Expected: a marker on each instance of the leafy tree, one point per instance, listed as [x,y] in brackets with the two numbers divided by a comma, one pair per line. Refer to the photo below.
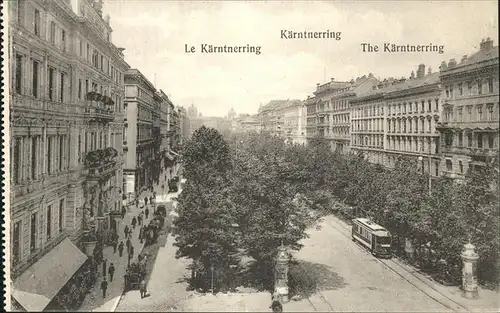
[203,229]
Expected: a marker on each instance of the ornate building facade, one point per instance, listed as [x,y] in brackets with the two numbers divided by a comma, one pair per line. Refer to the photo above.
[284,118]
[66,110]
[142,106]
[469,127]
[318,121]
[398,117]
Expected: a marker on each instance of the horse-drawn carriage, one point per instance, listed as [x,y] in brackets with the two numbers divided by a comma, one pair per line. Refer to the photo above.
[136,272]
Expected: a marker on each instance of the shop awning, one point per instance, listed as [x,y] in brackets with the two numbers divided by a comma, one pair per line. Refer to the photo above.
[40,283]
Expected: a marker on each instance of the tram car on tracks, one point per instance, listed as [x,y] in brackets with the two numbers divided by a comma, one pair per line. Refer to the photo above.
[372,236]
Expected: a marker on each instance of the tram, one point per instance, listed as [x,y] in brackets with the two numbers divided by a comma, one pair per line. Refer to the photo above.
[373,236]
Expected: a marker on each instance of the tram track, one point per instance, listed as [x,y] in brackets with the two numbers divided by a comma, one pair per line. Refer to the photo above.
[452,305]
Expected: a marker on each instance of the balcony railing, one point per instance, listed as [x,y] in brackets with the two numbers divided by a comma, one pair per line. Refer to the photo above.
[101,162]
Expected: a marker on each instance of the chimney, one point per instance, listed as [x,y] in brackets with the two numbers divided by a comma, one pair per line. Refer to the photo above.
[464,58]
[332,79]
[412,76]
[421,71]
[443,66]
[429,71]
[486,44]
[452,63]
[374,87]
[352,81]
[370,75]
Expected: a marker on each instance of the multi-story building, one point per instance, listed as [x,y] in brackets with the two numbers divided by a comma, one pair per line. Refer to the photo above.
[184,124]
[247,123]
[334,113]
[318,122]
[139,142]
[66,110]
[284,118]
[469,128]
[398,117]
[167,158]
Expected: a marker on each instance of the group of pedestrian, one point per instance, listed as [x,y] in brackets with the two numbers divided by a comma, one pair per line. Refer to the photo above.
[143,232]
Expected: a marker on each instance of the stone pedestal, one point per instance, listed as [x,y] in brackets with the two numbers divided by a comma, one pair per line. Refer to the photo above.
[469,272]
[281,274]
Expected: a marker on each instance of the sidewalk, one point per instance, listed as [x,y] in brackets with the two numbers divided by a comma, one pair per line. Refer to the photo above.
[94,300]
[450,296]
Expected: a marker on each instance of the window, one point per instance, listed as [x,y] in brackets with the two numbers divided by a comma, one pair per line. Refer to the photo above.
[479,87]
[102,63]
[449,165]
[16,242]
[19,74]
[49,222]
[61,96]
[61,152]
[34,157]
[436,168]
[79,147]
[469,113]
[35,79]
[479,140]
[52,32]
[448,139]
[469,140]
[461,165]
[79,89]
[436,108]
[460,89]
[81,48]
[36,23]
[480,113]
[469,88]
[490,141]
[460,140]
[63,40]
[490,112]
[86,87]
[33,232]
[460,117]
[87,56]
[490,85]
[61,215]
[51,83]
[16,159]
[49,155]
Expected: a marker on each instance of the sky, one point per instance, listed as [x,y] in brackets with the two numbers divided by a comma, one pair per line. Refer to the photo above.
[154,34]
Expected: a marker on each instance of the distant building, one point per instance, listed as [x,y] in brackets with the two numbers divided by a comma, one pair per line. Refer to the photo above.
[469,127]
[284,118]
[317,121]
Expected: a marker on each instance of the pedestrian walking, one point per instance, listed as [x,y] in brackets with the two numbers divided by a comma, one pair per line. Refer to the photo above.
[104,287]
[104,265]
[146,201]
[131,251]
[111,272]
[142,288]
[120,248]
[151,200]
[124,211]
[126,230]
[137,203]
[139,219]
[134,222]
[130,232]
[146,212]
[141,234]
[115,245]
[129,243]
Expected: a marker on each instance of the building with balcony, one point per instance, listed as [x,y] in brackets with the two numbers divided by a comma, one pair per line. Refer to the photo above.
[333,113]
[284,118]
[167,158]
[398,117]
[140,141]
[318,123]
[66,125]
[247,123]
[469,122]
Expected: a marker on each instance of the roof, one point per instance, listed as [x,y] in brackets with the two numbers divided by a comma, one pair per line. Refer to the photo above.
[372,225]
[279,104]
[40,283]
[390,85]
[480,56]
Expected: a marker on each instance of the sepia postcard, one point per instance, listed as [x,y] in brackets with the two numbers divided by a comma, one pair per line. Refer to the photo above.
[250,156]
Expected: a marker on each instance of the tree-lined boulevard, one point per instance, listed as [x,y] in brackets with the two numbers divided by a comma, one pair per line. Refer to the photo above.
[246,195]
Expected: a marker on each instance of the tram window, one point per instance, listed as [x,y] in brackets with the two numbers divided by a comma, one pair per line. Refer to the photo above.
[384,240]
